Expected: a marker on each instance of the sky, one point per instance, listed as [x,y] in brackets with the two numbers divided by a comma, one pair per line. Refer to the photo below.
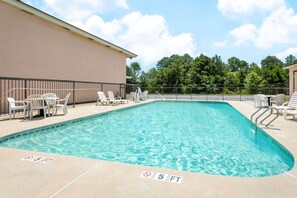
[248,29]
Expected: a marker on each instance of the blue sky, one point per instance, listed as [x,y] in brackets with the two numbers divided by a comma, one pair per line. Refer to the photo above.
[153,29]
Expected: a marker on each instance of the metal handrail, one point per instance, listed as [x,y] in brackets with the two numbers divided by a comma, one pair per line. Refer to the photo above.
[267,108]
[159,95]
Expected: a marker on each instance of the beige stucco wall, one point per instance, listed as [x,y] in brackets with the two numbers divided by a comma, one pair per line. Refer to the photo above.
[292,81]
[31,47]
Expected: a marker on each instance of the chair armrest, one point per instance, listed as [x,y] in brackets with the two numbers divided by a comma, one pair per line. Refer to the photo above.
[22,102]
[60,100]
[285,104]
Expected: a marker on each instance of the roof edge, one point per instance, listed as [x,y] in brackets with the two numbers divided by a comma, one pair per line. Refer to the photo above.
[27,8]
[290,66]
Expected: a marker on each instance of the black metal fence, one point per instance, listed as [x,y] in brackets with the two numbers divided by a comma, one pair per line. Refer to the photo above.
[81,92]
[209,92]
[84,92]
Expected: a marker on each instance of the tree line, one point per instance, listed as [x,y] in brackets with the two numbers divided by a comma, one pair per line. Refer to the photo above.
[211,74]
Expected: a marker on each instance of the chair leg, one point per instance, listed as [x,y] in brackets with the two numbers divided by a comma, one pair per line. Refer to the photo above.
[25,113]
[10,114]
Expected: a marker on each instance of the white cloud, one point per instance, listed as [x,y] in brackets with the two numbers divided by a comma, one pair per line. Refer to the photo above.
[278,28]
[234,8]
[244,33]
[78,9]
[220,44]
[282,55]
[146,35]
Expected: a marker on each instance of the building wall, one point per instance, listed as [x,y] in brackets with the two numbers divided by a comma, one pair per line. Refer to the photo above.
[293,79]
[31,47]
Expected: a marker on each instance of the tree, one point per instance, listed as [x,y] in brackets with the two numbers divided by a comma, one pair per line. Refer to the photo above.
[290,60]
[134,71]
[253,83]
[231,82]
[234,64]
[273,72]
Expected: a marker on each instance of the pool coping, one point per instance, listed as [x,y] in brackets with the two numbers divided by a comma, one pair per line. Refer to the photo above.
[82,176]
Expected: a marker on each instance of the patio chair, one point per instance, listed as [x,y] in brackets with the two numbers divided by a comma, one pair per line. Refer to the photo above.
[278,100]
[118,99]
[51,102]
[291,105]
[103,100]
[144,95]
[62,103]
[37,102]
[290,112]
[13,107]
[260,100]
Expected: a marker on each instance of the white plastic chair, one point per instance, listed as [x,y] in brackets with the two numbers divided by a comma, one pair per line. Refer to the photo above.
[118,100]
[260,100]
[292,104]
[51,102]
[37,102]
[62,103]
[290,112]
[278,100]
[13,107]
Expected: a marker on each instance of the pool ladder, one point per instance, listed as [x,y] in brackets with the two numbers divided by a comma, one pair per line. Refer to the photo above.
[265,109]
[159,95]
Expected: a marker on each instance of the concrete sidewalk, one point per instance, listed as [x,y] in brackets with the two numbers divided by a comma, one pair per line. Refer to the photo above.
[81,177]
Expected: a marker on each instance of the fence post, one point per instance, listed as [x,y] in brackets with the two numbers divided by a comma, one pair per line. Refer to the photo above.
[223,94]
[73,96]
[191,93]
[26,92]
[240,95]
[175,93]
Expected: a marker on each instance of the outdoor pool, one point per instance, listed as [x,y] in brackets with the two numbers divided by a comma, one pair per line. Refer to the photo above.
[202,137]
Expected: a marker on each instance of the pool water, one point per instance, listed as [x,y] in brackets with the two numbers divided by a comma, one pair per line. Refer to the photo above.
[203,137]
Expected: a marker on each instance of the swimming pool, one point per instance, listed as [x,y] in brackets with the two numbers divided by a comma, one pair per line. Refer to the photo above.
[206,137]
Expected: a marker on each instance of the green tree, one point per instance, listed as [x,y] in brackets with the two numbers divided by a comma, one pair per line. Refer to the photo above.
[253,83]
[290,60]
[273,72]
[133,71]
[231,82]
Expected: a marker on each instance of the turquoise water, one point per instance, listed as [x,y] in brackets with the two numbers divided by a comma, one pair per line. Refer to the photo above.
[204,137]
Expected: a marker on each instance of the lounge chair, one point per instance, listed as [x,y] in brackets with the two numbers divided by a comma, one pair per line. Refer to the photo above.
[13,107]
[62,103]
[103,100]
[37,102]
[290,112]
[118,99]
[291,105]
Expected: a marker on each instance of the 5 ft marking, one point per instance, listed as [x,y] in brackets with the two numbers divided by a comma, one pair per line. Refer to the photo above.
[161,177]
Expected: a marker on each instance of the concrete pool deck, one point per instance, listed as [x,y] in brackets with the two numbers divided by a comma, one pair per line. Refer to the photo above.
[68,176]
